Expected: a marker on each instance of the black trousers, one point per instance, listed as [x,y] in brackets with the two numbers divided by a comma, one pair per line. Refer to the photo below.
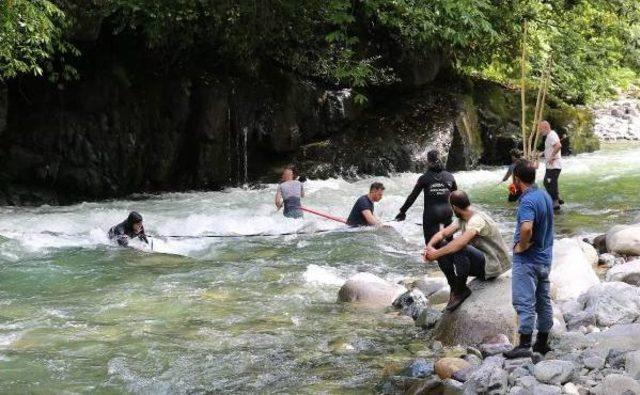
[457,267]
[431,223]
[551,183]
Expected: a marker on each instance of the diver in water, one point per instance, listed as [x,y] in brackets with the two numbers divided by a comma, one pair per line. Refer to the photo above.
[437,185]
[128,229]
[289,193]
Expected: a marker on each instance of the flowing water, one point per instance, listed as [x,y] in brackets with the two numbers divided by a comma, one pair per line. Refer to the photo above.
[244,314]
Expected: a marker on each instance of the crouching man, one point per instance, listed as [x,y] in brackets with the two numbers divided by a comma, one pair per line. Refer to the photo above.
[479,251]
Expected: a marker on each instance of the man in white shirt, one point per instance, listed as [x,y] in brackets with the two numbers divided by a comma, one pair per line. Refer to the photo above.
[553,162]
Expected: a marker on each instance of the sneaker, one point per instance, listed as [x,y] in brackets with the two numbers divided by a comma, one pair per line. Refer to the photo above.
[518,352]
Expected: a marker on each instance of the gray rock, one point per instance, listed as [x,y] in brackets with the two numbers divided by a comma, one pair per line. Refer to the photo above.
[624,239]
[616,358]
[628,272]
[519,391]
[572,341]
[474,351]
[512,364]
[428,318]
[412,303]
[430,285]
[452,387]
[594,362]
[581,318]
[619,337]
[463,375]
[370,290]
[473,359]
[489,378]
[441,296]
[608,260]
[617,384]
[486,312]
[420,368]
[612,303]
[632,364]
[554,371]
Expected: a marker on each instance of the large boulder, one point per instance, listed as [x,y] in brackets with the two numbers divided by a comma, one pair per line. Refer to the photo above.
[572,273]
[369,289]
[554,371]
[624,239]
[612,303]
[627,273]
[590,252]
[487,312]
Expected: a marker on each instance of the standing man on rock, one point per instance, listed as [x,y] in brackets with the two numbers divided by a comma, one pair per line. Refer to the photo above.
[553,162]
[437,185]
[532,256]
[479,251]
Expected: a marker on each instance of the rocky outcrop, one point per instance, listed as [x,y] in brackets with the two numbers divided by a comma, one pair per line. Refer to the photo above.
[487,312]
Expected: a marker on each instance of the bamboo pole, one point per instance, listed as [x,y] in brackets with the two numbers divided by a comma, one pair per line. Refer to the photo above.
[544,97]
[523,72]
[534,138]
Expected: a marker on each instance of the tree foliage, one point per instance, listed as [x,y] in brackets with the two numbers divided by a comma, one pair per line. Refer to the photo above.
[31,34]
[355,43]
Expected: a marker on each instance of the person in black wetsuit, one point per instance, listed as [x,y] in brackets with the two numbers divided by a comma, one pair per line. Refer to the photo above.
[128,229]
[437,185]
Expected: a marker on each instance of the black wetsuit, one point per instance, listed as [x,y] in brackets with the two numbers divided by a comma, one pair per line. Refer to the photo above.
[124,231]
[437,185]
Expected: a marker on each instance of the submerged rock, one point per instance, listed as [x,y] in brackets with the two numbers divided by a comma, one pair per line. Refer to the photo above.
[624,239]
[369,289]
[487,312]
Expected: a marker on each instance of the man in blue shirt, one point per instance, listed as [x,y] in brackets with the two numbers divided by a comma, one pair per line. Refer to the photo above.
[532,256]
[362,211]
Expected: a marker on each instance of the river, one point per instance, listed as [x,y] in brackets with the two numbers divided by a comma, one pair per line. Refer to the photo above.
[242,314]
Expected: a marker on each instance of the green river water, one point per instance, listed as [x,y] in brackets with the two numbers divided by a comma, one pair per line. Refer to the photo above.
[78,315]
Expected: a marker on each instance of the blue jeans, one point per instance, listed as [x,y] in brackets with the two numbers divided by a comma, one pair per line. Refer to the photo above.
[530,289]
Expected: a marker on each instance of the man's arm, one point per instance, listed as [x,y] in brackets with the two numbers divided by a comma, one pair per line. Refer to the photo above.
[278,200]
[526,233]
[301,190]
[443,234]
[371,219]
[454,246]
[556,148]
[412,196]
[507,175]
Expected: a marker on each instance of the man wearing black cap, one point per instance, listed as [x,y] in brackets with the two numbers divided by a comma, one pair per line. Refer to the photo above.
[437,185]
[128,229]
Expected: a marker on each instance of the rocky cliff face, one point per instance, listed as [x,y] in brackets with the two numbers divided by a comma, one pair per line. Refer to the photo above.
[121,129]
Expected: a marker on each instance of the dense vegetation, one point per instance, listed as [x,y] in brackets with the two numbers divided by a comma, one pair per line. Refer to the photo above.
[594,44]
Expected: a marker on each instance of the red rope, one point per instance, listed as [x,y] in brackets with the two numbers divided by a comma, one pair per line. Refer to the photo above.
[324,215]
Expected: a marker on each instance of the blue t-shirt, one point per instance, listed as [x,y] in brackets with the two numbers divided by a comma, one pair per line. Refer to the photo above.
[536,206]
[355,217]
